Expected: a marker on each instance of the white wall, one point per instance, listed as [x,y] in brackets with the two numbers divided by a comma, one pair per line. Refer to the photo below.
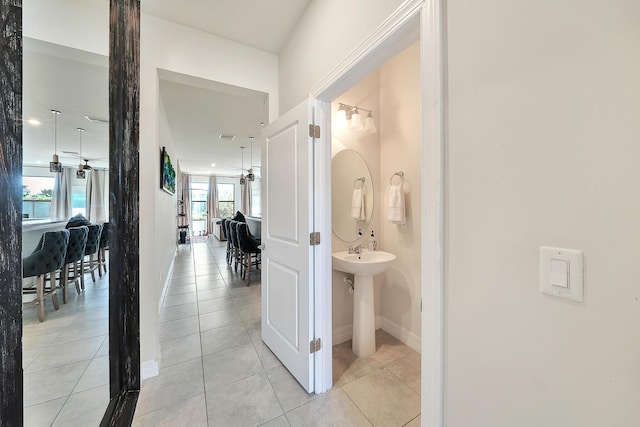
[326,34]
[400,150]
[542,149]
[175,48]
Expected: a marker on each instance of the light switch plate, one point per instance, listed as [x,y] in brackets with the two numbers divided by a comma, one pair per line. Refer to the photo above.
[561,273]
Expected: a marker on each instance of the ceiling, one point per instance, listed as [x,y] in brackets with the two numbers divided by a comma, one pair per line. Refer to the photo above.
[197,111]
[265,25]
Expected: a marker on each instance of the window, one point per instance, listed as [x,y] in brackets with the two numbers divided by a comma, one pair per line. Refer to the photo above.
[36,196]
[79,199]
[226,201]
[199,192]
[256,209]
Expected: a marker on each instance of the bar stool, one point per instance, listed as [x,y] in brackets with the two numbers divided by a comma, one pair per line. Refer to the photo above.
[47,258]
[75,252]
[223,225]
[91,251]
[234,244]
[102,248]
[249,249]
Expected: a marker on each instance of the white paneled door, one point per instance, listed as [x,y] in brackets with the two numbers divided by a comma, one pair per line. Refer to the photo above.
[287,257]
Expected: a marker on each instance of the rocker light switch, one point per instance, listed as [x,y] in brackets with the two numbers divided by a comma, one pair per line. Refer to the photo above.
[561,273]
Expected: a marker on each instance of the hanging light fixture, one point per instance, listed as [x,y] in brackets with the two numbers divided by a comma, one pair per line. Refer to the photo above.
[250,176]
[243,180]
[55,165]
[80,174]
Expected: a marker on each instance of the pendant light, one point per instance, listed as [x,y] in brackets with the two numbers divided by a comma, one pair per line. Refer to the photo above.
[243,180]
[55,165]
[250,176]
[80,174]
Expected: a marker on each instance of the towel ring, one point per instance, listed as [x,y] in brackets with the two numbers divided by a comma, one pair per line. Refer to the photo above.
[361,180]
[400,174]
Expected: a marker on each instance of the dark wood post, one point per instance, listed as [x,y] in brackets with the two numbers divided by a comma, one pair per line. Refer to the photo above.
[11,384]
[124,277]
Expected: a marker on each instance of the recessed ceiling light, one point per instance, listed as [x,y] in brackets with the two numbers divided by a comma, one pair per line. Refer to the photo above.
[213,165]
[38,162]
[227,137]
[34,122]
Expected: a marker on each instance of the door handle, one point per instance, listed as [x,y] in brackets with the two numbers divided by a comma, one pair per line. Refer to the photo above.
[261,246]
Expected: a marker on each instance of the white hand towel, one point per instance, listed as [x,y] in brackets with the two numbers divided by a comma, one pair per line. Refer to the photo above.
[357,204]
[395,213]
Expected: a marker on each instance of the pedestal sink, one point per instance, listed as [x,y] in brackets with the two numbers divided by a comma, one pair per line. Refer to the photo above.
[363,266]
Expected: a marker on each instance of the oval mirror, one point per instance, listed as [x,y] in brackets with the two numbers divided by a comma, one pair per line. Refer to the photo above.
[351,195]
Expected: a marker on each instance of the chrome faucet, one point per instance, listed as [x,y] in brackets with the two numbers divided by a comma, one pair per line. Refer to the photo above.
[356,249]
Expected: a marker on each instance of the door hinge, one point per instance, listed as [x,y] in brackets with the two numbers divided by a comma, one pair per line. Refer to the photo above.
[315,345]
[314,238]
[314,131]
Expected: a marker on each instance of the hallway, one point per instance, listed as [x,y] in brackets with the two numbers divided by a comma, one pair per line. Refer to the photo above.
[216,371]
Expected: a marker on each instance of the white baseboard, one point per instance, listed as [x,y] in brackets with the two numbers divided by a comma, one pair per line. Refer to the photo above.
[342,334]
[406,337]
[345,333]
[149,369]
[166,281]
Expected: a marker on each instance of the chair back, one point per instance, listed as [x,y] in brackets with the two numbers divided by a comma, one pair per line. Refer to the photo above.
[49,256]
[223,225]
[232,233]
[93,239]
[104,236]
[246,243]
[77,243]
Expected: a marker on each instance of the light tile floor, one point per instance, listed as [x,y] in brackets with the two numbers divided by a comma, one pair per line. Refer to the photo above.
[66,358]
[215,370]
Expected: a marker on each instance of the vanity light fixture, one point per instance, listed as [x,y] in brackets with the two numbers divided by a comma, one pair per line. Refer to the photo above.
[348,116]
[341,117]
[243,180]
[54,164]
[80,174]
[356,121]
[369,124]
[250,176]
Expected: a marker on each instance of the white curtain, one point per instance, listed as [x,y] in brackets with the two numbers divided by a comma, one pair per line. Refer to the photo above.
[62,194]
[246,198]
[185,188]
[97,212]
[212,204]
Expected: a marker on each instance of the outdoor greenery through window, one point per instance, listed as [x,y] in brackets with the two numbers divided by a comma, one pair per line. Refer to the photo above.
[199,192]
[226,200]
[37,192]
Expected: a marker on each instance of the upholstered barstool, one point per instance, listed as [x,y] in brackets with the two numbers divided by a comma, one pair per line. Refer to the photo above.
[91,251]
[223,224]
[249,249]
[102,248]
[75,253]
[234,244]
[47,258]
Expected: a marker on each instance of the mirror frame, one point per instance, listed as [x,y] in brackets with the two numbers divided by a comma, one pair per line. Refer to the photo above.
[368,184]
[124,112]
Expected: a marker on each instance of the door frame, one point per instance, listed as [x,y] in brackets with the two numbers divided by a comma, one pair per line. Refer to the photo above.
[414,20]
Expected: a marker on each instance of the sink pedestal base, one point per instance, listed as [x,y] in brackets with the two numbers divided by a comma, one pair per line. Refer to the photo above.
[364,322]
